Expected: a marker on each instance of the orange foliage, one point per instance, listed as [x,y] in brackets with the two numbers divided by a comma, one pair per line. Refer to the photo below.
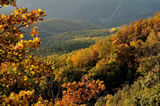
[81,92]
[23,98]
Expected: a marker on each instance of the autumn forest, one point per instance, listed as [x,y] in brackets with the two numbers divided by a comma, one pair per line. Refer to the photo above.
[87,66]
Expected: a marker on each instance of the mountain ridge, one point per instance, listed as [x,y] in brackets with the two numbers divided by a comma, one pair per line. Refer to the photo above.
[103,12]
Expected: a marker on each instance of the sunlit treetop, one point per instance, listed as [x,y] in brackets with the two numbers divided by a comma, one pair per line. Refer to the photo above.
[8,2]
[12,45]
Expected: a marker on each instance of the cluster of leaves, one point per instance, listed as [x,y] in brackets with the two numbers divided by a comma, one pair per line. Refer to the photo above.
[145,91]
[8,2]
[25,98]
[81,92]
[12,46]
[19,70]
[16,64]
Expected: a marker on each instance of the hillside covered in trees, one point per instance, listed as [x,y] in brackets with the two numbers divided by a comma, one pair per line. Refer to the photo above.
[61,26]
[122,69]
[70,41]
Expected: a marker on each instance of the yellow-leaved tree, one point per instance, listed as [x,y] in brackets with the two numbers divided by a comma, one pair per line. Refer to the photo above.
[20,71]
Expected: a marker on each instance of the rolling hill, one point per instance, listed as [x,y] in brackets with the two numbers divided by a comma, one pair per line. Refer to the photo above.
[61,26]
[70,41]
[56,26]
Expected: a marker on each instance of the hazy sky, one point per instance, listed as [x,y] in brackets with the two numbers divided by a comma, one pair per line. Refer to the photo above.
[97,11]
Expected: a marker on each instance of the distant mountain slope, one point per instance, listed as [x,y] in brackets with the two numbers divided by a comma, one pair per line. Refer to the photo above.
[70,41]
[109,13]
[60,26]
